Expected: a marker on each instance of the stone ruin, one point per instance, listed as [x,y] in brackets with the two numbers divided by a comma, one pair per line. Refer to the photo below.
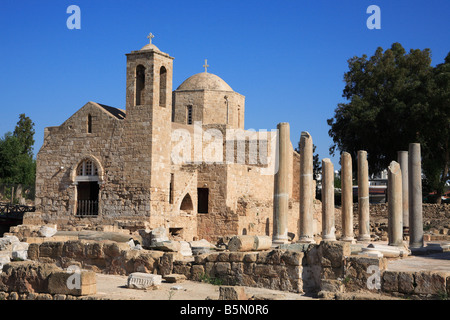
[38,261]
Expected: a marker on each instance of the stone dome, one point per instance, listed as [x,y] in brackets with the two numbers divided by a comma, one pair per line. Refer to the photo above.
[204,81]
[150,46]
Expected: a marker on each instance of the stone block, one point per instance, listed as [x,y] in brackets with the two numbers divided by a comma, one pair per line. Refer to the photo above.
[73,249]
[237,256]
[390,281]
[114,249]
[270,257]
[20,251]
[93,250]
[430,282]
[5,257]
[265,270]
[170,246]
[185,249]
[201,246]
[251,257]
[222,268]
[174,278]
[139,280]
[406,282]
[166,263]
[158,235]
[332,253]
[331,285]
[47,231]
[223,257]
[51,250]
[26,276]
[249,268]
[212,257]
[196,272]
[209,269]
[232,293]
[200,259]
[181,268]
[293,258]
[356,269]
[237,268]
[79,283]
[33,251]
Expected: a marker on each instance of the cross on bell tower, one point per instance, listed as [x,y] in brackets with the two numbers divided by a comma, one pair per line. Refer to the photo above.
[206,66]
[150,37]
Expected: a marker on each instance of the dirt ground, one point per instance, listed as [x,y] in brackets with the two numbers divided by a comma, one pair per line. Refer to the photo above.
[113,287]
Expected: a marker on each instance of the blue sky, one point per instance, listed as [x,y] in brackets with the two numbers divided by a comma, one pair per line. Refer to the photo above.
[287,57]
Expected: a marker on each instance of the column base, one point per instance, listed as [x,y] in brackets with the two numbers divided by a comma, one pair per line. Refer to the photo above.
[416,245]
[348,239]
[306,239]
[364,238]
[279,240]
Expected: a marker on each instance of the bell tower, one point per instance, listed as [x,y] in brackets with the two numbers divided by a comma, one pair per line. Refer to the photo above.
[148,124]
[149,78]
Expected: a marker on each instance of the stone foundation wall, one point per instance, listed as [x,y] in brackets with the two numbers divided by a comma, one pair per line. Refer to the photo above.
[430,210]
[42,296]
[424,284]
[277,269]
[101,256]
[328,269]
[32,280]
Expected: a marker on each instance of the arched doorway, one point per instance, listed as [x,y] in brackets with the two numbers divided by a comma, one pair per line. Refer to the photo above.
[87,182]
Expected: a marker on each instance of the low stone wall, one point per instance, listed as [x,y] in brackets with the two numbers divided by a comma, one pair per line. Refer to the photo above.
[32,280]
[295,268]
[424,284]
[327,269]
[101,256]
[362,274]
[430,210]
[42,296]
[277,269]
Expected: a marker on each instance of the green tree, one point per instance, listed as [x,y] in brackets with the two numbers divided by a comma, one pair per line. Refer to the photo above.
[17,165]
[435,132]
[393,100]
[24,132]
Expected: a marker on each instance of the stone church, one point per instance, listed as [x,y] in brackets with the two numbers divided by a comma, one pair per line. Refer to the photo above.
[144,166]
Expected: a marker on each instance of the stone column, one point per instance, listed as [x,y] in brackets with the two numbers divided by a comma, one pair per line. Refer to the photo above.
[347,197]
[306,188]
[403,161]
[395,208]
[281,192]
[363,197]
[415,196]
[328,226]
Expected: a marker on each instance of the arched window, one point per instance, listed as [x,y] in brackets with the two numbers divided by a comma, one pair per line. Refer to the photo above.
[87,168]
[186,204]
[162,86]
[140,84]
[89,123]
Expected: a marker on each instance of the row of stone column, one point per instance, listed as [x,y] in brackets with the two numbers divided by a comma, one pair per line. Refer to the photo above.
[404,198]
